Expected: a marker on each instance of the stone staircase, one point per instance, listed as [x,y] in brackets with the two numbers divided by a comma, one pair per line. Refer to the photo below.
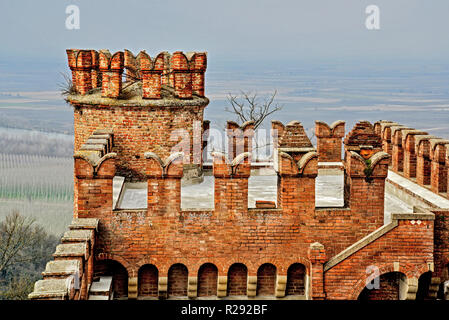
[101,289]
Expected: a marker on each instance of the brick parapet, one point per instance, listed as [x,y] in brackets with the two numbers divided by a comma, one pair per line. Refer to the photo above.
[240,138]
[397,157]
[329,142]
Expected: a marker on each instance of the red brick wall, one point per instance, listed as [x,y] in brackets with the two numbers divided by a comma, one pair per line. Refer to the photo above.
[266,280]
[163,232]
[329,149]
[329,140]
[237,280]
[423,164]
[410,157]
[397,158]
[207,280]
[438,169]
[148,281]
[136,130]
[295,280]
[441,244]
[177,280]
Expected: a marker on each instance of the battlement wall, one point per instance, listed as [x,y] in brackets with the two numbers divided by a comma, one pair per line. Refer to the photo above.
[423,159]
[292,226]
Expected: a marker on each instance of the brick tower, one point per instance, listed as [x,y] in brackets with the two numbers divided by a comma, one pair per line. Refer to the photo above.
[158,107]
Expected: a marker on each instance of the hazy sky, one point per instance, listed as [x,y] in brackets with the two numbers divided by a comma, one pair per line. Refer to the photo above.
[229,30]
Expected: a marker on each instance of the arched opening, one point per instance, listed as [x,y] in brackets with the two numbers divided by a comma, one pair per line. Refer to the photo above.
[389,286]
[207,280]
[424,286]
[266,280]
[104,268]
[296,280]
[148,281]
[237,280]
[177,280]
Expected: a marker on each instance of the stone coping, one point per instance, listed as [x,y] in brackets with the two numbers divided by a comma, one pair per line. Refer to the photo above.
[435,142]
[384,125]
[103,285]
[77,235]
[413,132]
[423,137]
[395,217]
[399,128]
[432,199]
[84,223]
[61,267]
[93,147]
[96,140]
[131,96]
[413,216]
[330,164]
[51,288]
[71,250]
[293,149]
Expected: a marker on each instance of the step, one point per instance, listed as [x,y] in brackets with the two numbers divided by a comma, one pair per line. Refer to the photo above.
[101,287]
[94,297]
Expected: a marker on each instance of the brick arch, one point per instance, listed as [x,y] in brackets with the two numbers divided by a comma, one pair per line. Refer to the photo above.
[253,266]
[266,279]
[164,265]
[296,279]
[148,260]
[119,273]
[207,280]
[177,282]
[237,276]
[194,267]
[390,287]
[409,270]
[281,264]
[148,278]
[283,268]
[129,266]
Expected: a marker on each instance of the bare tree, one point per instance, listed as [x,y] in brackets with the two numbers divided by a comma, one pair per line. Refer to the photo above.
[19,239]
[18,288]
[248,107]
[25,248]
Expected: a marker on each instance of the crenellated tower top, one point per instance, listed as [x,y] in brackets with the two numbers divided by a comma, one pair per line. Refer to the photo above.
[177,76]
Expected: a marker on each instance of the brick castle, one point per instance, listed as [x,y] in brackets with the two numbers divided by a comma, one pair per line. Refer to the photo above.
[290,249]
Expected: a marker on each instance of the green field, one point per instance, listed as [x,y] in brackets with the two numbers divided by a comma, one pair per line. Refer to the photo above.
[37,186]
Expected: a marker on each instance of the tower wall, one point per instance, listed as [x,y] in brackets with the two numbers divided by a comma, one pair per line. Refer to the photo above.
[141,129]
